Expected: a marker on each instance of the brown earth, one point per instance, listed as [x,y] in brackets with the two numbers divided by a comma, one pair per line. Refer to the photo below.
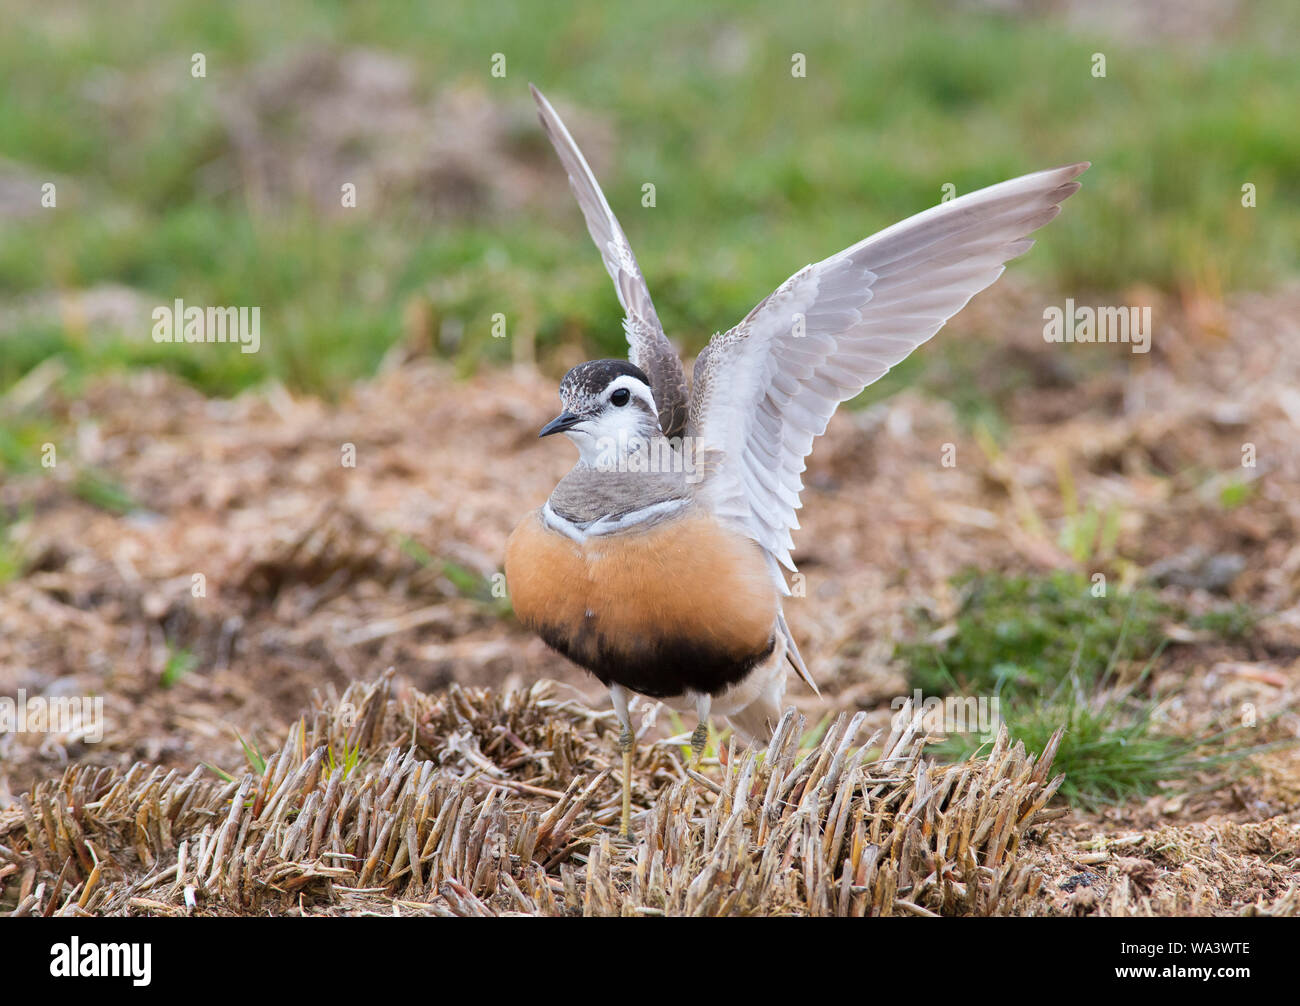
[315,574]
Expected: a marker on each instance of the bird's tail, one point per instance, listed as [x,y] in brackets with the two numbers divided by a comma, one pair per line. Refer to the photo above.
[758,719]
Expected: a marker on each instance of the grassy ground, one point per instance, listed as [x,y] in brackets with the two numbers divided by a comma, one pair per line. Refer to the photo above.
[1058,651]
[756,171]
[1172,685]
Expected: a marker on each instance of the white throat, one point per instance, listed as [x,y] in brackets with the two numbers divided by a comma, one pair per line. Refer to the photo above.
[613,438]
[606,445]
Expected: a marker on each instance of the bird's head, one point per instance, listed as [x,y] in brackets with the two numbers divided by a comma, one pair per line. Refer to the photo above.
[608,408]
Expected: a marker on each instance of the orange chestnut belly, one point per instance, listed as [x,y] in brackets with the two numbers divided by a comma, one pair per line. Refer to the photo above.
[685,604]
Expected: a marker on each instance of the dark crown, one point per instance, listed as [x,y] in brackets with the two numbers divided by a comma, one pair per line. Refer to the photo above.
[591,378]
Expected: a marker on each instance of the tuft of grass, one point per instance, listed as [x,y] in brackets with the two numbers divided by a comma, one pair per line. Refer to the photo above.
[351,758]
[1022,633]
[22,441]
[1113,750]
[1051,654]
[1089,532]
[256,761]
[1235,623]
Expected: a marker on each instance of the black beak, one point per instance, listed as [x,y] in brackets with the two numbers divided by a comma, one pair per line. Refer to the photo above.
[564,421]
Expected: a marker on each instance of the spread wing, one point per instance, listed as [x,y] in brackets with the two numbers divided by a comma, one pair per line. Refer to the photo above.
[767,388]
[648,347]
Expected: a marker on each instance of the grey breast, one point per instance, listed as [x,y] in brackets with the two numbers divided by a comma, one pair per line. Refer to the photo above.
[587,494]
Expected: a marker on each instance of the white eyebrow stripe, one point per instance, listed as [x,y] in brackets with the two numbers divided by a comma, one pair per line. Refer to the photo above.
[637,387]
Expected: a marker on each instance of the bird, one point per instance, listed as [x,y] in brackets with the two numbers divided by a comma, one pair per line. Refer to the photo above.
[658,562]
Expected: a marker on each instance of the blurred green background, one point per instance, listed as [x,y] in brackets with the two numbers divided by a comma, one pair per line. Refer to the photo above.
[203,188]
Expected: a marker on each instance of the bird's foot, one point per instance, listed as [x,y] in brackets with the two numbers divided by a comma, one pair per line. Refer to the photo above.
[698,740]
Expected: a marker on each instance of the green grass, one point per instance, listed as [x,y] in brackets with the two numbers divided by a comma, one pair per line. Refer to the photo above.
[1113,749]
[1234,494]
[468,584]
[100,490]
[179,663]
[351,758]
[1053,655]
[757,172]
[12,559]
[1019,634]
[1236,622]
[22,440]
[256,761]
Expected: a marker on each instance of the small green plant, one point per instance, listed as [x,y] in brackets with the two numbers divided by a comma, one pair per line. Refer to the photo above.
[350,760]
[256,761]
[1088,533]
[219,773]
[1234,494]
[414,550]
[254,757]
[467,583]
[22,441]
[179,663]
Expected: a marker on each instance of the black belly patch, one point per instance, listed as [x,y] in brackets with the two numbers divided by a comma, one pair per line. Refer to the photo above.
[657,667]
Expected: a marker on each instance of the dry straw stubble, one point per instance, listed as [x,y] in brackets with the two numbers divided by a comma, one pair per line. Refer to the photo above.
[472,803]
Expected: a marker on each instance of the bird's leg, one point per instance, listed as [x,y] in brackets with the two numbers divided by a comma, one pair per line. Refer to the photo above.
[701,735]
[626,744]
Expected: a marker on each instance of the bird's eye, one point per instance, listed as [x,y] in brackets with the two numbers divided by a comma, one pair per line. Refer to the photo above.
[620,397]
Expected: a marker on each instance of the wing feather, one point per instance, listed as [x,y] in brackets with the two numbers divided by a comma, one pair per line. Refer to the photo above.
[648,347]
[766,389]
